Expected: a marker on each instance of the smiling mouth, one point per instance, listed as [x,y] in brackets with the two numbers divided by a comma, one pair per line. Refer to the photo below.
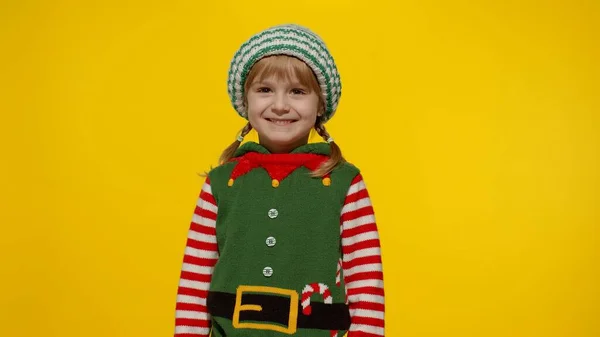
[281,121]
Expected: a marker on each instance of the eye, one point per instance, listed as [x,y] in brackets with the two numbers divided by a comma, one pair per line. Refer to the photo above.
[263,89]
[298,91]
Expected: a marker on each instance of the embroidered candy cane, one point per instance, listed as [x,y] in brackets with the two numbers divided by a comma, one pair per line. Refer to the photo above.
[311,289]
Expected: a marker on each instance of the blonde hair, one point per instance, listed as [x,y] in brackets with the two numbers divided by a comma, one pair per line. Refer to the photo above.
[282,67]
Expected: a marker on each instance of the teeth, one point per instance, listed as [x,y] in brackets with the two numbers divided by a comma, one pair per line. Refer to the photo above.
[280,122]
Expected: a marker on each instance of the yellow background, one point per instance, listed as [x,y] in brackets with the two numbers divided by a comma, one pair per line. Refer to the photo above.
[475,123]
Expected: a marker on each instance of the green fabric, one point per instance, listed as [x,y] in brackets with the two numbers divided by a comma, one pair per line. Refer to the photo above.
[307,232]
[316,148]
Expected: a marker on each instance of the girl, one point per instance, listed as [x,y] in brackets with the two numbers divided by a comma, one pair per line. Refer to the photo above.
[283,239]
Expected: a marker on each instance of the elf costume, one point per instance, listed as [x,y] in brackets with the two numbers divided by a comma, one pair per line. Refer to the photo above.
[271,250]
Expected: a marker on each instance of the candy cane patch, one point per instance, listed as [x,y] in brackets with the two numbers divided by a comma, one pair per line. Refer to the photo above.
[311,289]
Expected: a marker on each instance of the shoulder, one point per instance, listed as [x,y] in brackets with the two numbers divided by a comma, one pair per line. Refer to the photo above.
[353,176]
[221,173]
[343,177]
[218,177]
[346,168]
[223,169]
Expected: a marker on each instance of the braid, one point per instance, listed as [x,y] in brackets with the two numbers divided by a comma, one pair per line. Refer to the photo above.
[320,128]
[247,128]
[230,150]
[335,157]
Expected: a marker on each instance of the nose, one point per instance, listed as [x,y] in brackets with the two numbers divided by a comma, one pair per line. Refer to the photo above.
[280,104]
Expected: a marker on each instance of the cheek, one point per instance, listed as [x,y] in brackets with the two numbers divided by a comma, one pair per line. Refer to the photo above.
[309,109]
[253,106]
[254,116]
[258,102]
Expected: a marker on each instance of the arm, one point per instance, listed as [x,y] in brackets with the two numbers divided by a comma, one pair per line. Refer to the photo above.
[361,264]
[191,315]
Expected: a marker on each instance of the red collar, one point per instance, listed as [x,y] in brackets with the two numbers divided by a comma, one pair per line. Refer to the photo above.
[278,166]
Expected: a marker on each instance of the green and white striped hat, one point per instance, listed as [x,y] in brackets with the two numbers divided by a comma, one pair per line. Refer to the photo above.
[292,40]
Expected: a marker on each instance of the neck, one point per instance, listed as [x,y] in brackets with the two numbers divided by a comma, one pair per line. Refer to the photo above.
[282,148]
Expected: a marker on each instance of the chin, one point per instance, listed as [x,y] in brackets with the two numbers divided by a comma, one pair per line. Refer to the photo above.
[283,141]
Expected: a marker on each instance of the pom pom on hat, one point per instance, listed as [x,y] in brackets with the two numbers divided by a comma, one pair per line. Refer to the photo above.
[292,40]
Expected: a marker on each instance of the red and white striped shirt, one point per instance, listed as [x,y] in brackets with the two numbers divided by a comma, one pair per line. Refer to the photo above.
[361,265]
[363,274]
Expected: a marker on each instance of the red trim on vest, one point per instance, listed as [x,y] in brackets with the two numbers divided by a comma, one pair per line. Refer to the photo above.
[278,166]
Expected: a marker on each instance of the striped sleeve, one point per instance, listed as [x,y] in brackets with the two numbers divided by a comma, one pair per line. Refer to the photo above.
[191,315]
[362,265]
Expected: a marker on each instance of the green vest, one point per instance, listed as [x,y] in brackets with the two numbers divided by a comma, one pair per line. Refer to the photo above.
[283,237]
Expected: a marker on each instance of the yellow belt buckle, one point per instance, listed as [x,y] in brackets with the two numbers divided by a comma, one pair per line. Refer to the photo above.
[293,317]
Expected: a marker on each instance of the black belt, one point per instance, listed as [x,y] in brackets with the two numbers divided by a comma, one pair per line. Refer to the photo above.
[275,308]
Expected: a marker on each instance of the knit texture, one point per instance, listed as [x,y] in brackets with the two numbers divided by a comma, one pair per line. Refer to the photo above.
[278,166]
[292,40]
[326,244]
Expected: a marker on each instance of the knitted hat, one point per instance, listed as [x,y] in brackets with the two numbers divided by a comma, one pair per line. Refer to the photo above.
[292,40]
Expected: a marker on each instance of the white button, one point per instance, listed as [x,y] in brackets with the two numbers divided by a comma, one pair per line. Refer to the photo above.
[273,213]
[268,271]
[271,241]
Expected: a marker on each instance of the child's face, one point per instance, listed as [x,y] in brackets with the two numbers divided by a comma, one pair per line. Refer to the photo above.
[282,112]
